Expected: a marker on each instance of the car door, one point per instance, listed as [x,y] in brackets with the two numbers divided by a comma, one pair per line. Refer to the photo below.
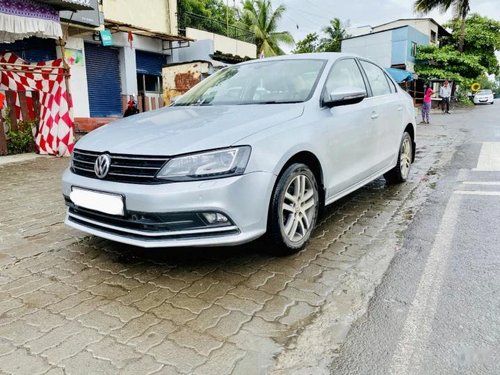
[347,131]
[387,114]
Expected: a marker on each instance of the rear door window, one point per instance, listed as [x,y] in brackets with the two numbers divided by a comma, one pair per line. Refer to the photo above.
[377,79]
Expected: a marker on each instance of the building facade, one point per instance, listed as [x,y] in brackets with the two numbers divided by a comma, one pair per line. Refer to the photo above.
[116,49]
[394,44]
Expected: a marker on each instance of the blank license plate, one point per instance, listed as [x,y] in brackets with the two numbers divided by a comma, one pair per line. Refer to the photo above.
[98,201]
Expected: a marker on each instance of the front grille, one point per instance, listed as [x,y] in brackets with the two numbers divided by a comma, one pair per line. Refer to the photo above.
[136,169]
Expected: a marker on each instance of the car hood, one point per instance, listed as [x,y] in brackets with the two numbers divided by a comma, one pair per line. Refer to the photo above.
[179,130]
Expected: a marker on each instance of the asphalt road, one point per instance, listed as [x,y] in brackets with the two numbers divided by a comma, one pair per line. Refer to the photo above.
[437,310]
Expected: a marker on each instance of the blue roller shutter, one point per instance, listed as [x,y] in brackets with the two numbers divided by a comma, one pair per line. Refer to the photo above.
[32,49]
[150,63]
[103,80]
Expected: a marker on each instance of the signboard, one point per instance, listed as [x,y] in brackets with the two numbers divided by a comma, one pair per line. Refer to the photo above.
[85,17]
[106,38]
[74,57]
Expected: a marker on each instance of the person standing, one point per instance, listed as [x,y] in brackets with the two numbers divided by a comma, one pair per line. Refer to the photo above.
[445,94]
[426,106]
[131,107]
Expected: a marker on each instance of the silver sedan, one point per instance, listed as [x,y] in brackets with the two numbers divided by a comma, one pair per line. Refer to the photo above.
[255,149]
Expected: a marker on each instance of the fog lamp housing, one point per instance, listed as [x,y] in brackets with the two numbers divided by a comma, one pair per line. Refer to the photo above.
[215,219]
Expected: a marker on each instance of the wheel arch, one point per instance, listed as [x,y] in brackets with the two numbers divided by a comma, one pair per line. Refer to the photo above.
[310,159]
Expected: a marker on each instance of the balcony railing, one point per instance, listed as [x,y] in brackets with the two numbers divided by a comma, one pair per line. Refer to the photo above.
[195,21]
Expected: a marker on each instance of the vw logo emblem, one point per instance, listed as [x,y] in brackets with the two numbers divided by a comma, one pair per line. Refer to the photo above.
[102,164]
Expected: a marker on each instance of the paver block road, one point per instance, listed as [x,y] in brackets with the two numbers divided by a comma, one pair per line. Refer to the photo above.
[75,304]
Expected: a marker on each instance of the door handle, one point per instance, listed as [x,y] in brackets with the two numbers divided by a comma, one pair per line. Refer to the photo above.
[400,108]
[374,115]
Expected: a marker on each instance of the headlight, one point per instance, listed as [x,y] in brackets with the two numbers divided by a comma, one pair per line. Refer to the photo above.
[207,165]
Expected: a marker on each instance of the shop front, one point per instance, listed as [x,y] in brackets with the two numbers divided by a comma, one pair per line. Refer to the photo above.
[33,80]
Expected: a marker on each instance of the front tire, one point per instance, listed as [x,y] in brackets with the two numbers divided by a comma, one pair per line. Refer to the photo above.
[293,210]
[402,169]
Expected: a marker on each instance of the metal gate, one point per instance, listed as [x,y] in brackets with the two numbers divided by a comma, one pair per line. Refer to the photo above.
[103,80]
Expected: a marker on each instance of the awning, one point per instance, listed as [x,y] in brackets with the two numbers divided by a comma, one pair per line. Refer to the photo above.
[400,75]
[21,19]
[117,26]
[73,5]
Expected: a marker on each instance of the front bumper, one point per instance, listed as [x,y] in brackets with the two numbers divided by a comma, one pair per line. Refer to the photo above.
[243,199]
[483,100]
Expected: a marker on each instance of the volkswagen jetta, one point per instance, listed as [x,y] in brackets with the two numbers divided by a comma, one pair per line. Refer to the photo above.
[255,149]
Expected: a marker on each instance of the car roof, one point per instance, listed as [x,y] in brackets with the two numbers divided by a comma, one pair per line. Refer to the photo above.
[308,56]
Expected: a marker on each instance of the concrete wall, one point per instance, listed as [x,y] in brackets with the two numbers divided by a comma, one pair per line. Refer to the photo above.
[387,48]
[199,50]
[155,15]
[418,37]
[399,46]
[78,81]
[402,41]
[178,79]
[423,25]
[376,47]
[223,43]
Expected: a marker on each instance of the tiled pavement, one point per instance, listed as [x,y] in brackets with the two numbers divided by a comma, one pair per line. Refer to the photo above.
[82,305]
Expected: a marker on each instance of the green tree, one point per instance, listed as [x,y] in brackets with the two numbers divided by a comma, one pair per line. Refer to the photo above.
[481,38]
[461,9]
[335,33]
[209,15]
[307,45]
[259,18]
[447,63]
[485,83]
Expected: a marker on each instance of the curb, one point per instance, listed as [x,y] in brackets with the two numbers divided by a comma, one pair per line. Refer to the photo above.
[11,159]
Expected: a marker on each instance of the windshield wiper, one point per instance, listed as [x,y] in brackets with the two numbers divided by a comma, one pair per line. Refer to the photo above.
[279,102]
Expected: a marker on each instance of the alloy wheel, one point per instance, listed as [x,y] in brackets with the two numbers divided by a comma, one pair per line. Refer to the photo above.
[298,208]
[405,157]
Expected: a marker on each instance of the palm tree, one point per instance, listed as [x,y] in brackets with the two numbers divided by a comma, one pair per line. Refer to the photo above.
[460,7]
[259,18]
[335,33]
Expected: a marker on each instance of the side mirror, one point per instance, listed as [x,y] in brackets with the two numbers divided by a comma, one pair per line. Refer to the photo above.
[344,96]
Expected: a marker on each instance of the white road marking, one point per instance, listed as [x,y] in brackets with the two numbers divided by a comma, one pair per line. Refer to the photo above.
[476,192]
[489,158]
[409,353]
[485,183]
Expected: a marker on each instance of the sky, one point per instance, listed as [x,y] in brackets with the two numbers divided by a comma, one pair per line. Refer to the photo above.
[307,16]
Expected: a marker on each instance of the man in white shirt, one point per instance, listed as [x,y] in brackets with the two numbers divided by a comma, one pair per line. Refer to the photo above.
[445,94]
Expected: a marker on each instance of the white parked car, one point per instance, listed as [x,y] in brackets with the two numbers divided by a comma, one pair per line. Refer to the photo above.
[484,97]
[256,149]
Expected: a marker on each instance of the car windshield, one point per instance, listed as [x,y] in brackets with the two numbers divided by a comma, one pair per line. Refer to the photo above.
[484,92]
[266,82]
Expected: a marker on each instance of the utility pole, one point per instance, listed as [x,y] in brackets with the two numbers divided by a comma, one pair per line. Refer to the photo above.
[227,18]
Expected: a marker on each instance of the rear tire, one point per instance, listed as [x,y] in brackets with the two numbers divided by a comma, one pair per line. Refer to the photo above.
[401,171]
[293,210]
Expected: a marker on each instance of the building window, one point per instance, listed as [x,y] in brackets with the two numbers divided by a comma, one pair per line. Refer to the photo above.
[413,49]
[148,83]
[433,36]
